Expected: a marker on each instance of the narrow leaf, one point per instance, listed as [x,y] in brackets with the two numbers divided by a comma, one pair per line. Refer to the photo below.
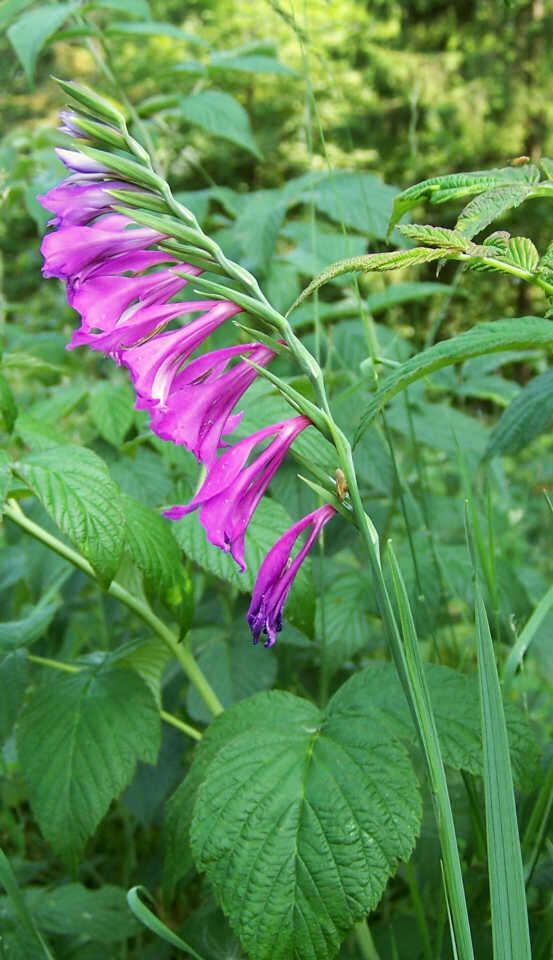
[153,923]
[511,334]
[484,209]
[526,417]
[9,882]
[511,939]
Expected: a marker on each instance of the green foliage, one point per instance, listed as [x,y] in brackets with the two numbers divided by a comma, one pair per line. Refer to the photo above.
[79,739]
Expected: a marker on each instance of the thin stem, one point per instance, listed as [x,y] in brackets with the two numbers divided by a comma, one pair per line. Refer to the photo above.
[145,612]
[365,941]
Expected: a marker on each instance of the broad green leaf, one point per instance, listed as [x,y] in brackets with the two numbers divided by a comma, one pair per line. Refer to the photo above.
[220,114]
[253,63]
[150,541]
[456,185]
[374,263]
[74,486]
[343,613]
[484,209]
[357,200]
[13,678]
[111,409]
[73,910]
[29,34]
[526,417]
[454,699]
[511,334]
[494,388]
[152,28]
[257,227]
[56,404]
[24,631]
[228,663]
[137,8]
[10,9]
[79,739]
[300,820]
[398,293]
[147,659]
[509,912]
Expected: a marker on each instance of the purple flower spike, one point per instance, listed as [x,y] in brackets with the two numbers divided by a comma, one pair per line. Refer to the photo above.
[102,300]
[277,574]
[232,490]
[197,411]
[79,163]
[75,204]
[153,365]
[67,252]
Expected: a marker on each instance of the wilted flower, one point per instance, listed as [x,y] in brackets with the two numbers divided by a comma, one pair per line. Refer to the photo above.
[232,489]
[277,574]
[197,410]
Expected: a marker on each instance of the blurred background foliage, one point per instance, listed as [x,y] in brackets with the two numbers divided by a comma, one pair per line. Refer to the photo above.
[288,128]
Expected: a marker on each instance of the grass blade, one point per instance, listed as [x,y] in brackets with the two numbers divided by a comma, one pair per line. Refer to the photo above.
[153,923]
[511,938]
[9,882]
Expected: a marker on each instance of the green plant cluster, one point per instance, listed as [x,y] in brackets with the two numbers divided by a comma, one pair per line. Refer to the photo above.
[282,803]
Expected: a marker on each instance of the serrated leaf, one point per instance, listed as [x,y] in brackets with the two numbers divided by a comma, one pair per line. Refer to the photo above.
[484,209]
[546,260]
[147,659]
[221,115]
[29,34]
[435,236]
[74,910]
[290,801]
[24,631]
[455,704]
[229,665]
[455,185]
[111,409]
[522,252]
[547,166]
[511,334]
[526,417]
[74,486]
[373,263]
[79,739]
[151,543]
[13,678]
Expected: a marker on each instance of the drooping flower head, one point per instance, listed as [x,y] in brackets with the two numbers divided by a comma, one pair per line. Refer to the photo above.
[232,489]
[277,574]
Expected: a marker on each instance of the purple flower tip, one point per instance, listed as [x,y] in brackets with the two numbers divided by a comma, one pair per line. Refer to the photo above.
[277,574]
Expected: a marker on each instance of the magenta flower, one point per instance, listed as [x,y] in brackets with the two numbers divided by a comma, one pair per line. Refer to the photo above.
[197,410]
[75,204]
[233,489]
[153,365]
[277,574]
[67,252]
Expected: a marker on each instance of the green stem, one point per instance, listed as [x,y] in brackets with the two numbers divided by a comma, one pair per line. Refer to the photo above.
[73,668]
[365,941]
[146,614]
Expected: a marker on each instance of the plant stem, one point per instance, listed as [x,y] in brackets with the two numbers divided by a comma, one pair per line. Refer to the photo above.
[145,612]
